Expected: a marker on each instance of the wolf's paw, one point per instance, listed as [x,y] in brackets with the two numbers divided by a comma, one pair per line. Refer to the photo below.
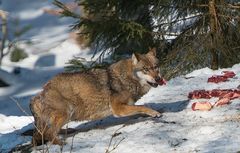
[155,114]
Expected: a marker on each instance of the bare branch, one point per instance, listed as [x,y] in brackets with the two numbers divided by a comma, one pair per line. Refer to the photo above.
[116,133]
[178,20]
[3,15]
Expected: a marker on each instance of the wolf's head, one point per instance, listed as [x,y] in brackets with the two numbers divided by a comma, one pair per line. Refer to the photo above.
[146,68]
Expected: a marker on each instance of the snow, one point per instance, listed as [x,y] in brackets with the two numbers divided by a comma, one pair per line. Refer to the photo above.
[179,129]
[16,122]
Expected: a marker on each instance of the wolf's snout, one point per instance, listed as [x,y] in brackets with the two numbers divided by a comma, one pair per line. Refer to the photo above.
[158,79]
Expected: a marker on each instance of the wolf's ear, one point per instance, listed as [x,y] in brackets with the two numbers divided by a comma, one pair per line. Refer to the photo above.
[135,58]
[152,51]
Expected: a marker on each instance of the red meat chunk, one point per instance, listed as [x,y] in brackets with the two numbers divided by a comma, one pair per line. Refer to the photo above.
[162,82]
[222,78]
[225,97]
[229,74]
[217,79]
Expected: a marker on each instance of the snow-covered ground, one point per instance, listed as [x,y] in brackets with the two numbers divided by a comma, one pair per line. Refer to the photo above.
[179,129]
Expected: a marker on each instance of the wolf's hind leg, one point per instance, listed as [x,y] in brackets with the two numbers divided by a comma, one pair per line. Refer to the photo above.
[48,122]
[48,125]
[56,120]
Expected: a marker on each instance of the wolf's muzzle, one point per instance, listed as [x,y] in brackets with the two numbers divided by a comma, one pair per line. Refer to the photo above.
[158,79]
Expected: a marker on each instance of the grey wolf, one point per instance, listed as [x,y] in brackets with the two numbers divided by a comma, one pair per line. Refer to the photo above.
[94,94]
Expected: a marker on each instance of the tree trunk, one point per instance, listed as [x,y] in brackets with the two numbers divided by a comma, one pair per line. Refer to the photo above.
[213,32]
[215,61]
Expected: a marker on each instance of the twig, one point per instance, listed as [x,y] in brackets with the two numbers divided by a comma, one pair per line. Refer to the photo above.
[72,144]
[116,133]
[41,132]
[19,106]
[178,20]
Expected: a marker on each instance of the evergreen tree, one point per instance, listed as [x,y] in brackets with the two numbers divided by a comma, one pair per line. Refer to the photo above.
[207,34]
[188,34]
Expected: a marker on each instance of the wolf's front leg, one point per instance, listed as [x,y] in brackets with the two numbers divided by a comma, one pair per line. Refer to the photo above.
[123,109]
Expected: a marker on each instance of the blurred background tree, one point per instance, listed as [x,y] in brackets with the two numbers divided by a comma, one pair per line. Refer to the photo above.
[17,53]
[3,38]
[187,34]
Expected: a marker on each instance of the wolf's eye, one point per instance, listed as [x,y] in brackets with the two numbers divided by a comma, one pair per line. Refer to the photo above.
[155,67]
[145,70]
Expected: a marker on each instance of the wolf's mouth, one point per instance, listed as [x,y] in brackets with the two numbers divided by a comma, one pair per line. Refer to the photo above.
[152,84]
